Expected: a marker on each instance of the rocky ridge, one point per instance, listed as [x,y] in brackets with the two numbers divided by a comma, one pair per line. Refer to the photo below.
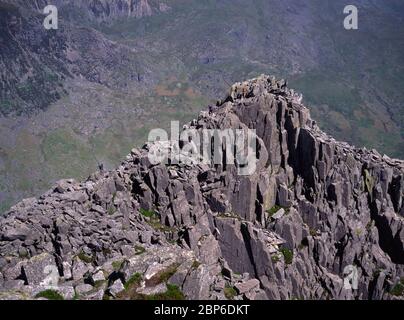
[288,231]
[105,10]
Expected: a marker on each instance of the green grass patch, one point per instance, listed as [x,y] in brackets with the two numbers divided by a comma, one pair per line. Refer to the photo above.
[273,210]
[50,295]
[195,264]
[275,258]
[154,221]
[111,210]
[117,264]
[139,250]
[148,213]
[313,232]
[287,254]
[85,258]
[134,280]
[230,292]
[398,289]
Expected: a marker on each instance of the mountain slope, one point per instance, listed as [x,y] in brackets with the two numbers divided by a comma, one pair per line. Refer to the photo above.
[112,72]
[313,207]
[37,62]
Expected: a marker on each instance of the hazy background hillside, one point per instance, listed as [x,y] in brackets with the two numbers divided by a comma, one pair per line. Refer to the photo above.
[91,90]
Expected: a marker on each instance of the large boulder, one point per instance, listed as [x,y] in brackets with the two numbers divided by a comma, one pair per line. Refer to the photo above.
[41,270]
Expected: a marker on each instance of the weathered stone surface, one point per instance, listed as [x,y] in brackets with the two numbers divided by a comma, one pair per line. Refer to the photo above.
[79,269]
[13,285]
[41,270]
[98,276]
[83,288]
[67,270]
[95,295]
[116,288]
[196,285]
[249,285]
[160,288]
[14,233]
[66,291]
[279,214]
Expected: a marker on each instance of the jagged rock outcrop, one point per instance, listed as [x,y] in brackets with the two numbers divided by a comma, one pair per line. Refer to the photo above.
[289,230]
[105,10]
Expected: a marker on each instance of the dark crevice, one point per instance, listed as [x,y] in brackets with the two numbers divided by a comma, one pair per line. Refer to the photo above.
[340,246]
[372,287]
[57,250]
[394,191]
[247,242]
[259,205]
[388,243]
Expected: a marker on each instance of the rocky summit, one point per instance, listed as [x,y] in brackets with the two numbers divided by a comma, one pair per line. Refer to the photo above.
[318,219]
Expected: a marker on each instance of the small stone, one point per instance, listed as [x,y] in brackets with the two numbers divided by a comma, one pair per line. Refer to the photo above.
[145,237]
[96,295]
[67,292]
[279,214]
[152,270]
[83,288]
[80,269]
[249,285]
[22,252]
[98,209]
[160,288]
[98,276]
[67,270]
[128,251]
[116,288]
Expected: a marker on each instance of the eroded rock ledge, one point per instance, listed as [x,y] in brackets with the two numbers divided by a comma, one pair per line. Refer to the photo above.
[313,207]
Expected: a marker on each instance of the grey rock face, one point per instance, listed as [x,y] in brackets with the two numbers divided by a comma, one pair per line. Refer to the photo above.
[314,212]
[40,270]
